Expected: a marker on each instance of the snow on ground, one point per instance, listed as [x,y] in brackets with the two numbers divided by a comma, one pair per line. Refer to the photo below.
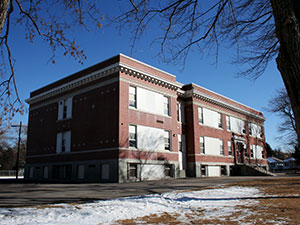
[216,203]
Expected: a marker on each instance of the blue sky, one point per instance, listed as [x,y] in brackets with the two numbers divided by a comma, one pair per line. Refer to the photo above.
[33,69]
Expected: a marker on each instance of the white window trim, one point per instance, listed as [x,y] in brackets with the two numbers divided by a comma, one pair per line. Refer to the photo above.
[135,128]
[62,104]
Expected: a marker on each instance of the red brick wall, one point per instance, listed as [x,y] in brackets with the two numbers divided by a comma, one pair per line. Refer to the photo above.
[41,137]
[95,119]
[101,155]
[94,123]
[195,130]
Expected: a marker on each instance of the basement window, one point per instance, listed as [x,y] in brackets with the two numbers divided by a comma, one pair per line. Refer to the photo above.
[132,171]
[203,170]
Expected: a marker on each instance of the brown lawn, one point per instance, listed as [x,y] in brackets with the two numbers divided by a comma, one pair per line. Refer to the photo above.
[281,205]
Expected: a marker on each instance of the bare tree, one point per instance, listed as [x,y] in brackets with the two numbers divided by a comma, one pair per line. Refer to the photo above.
[51,21]
[280,104]
[260,29]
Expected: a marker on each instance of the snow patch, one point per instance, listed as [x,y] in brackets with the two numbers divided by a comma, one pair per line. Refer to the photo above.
[215,203]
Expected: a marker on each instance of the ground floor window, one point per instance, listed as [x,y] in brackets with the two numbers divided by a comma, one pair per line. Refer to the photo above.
[105,171]
[168,170]
[80,171]
[46,172]
[31,172]
[62,172]
[223,171]
[203,170]
[132,171]
[231,170]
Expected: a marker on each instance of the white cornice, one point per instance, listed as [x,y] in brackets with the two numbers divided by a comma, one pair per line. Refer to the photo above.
[230,99]
[213,100]
[149,77]
[75,83]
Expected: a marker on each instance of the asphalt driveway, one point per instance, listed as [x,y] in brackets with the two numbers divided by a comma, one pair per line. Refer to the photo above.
[14,194]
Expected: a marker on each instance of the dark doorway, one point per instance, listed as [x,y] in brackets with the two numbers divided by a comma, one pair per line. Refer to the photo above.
[240,152]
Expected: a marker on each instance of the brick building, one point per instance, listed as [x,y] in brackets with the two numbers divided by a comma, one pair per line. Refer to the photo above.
[123,120]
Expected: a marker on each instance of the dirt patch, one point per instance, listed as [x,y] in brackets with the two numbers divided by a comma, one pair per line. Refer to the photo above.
[164,218]
[280,205]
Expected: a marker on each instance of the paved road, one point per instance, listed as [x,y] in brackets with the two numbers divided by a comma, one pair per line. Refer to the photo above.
[31,194]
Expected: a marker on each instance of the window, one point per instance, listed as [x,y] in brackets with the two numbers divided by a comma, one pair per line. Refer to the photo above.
[168,170]
[223,171]
[261,131]
[46,172]
[246,153]
[80,171]
[251,151]
[221,147]
[200,115]
[105,171]
[167,140]
[65,109]
[202,147]
[132,96]
[132,136]
[220,124]
[203,170]
[244,127]
[180,112]
[262,154]
[228,123]
[250,128]
[132,170]
[31,171]
[179,143]
[229,148]
[166,105]
[63,142]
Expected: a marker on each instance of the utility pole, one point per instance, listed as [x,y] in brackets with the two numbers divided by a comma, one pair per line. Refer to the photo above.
[18,152]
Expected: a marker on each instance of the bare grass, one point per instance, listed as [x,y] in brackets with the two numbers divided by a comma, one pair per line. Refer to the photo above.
[279,205]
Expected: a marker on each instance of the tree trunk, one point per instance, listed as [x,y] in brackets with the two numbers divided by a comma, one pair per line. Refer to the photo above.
[287,17]
[3,12]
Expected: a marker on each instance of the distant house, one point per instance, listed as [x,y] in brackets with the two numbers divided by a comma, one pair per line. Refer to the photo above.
[290,163]
[275,163]
[123,120]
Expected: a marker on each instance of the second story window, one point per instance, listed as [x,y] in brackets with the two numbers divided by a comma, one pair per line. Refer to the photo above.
[200,115]
[63,142]
[132,136]
[220,122]
[132,96]
[167,105]
[202,146]
[221,147]
[262,154]
[167,140]
[229,148]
